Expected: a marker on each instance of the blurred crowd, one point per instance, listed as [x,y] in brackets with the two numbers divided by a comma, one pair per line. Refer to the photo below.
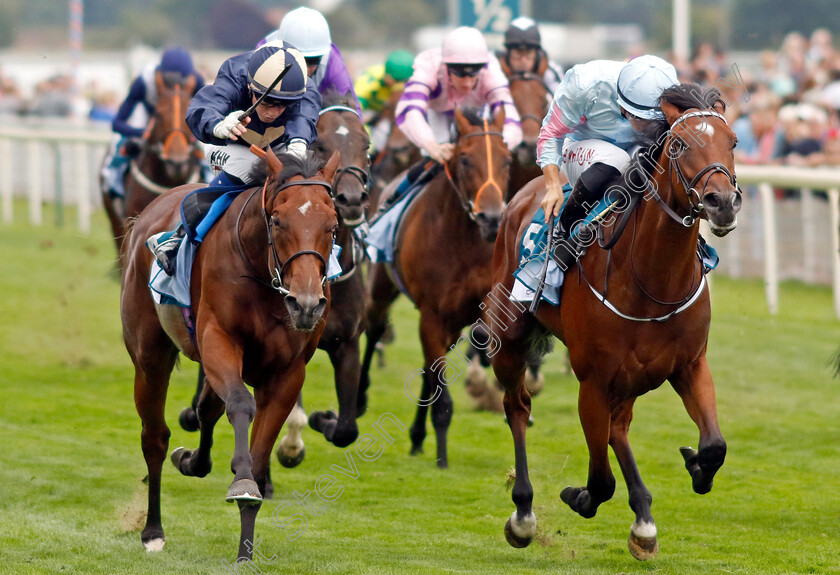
[790,113]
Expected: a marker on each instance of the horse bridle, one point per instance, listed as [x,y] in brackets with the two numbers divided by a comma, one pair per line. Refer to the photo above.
[275,265]
[362,175]
[690,187]
[467,204]
[529,77]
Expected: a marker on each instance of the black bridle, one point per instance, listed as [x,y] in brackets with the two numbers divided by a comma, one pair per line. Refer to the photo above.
[275,265]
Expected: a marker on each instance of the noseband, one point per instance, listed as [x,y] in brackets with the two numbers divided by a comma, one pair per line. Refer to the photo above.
[466,203]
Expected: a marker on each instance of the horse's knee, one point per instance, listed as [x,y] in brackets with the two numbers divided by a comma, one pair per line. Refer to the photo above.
[240,402]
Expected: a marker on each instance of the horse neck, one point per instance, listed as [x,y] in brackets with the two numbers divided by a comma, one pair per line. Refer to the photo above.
[661,251]
[451,214]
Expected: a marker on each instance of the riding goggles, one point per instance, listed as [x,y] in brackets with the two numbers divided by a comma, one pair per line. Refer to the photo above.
[465,70]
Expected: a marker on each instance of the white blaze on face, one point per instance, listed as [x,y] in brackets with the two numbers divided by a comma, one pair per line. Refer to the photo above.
[305,207]
[342,131]
[706,128]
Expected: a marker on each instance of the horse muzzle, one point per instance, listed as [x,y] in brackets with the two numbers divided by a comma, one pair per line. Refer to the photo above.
[305,310]
[488,224]
[722,209]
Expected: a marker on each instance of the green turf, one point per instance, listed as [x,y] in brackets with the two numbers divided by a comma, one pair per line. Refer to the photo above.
[71,469]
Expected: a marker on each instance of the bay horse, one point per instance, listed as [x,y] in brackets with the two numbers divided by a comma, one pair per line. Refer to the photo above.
[442,257]
[631,317]
[169,157]
[253,323]
[531,98]
[339,129]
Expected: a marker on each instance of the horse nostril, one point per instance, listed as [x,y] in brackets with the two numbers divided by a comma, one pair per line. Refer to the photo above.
[292,305]
[340,200]
[712,200]
[365,197]
[736,201]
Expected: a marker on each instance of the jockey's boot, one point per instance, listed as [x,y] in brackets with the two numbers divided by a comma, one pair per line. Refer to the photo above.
[164,246]
[588,190]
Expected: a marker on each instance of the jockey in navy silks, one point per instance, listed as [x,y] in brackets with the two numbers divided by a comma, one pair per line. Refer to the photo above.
[591,126]
[285,121]
[176,66]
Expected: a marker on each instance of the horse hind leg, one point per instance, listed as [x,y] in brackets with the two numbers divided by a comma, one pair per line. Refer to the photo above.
[642,542]
[291,450]
[341,429]
[188,418]
[696,389]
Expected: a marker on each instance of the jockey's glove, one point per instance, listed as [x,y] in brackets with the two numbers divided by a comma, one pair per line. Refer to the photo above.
[224,128]
[297,147]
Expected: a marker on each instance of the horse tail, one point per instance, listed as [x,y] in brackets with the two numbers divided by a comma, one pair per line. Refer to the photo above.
[122,257]
[834,362]
[542,346]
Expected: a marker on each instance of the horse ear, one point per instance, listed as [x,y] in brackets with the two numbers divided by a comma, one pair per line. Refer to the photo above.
[461,121]
[275,166]
[671,112]
[499,120]
[331,166]
[159,83]
[719,107]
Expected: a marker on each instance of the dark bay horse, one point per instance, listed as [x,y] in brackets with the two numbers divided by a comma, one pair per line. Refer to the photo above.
[169,157]
[442,260]
[532,98]
[340,128]
[631,317]
[253,323]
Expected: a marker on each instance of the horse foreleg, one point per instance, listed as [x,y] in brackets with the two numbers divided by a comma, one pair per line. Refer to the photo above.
[383,292]
[291,451]
[274,402]
[594,411]
[223,364]
[695,387]
[510,370]
[345,360]
[198,463]
[642,542]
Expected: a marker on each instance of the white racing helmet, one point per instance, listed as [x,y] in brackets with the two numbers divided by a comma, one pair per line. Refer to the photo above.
[641,83]
[307,30]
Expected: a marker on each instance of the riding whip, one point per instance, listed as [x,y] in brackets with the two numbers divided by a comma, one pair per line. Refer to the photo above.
[548,251]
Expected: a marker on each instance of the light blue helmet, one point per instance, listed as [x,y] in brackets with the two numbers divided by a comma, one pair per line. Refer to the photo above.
[641,83]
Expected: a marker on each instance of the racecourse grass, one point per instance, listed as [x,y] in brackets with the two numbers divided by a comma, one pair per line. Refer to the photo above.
[72,498]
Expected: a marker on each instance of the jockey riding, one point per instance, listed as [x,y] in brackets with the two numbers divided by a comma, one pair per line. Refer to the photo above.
[592,126]
[129,124]
[308,31]
[524,53]
[285,120]
[374,89]
[460,73]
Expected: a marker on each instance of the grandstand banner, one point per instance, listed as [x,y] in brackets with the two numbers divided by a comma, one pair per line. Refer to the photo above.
[488,15]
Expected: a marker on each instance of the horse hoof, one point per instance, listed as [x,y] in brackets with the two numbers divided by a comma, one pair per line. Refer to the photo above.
[188,419]
[178,456]
[245,491]
[345,435]
[154,545]
[416,450]
[289,462]
[319,419]
[514,539]
[443,464]
[579,500]
[642,548]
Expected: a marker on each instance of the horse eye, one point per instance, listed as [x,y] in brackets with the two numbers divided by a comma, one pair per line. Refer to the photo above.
[735,144]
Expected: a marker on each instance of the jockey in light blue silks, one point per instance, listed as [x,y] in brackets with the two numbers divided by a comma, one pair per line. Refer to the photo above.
[285,121]
[176,67]
[591,126]
[308,31]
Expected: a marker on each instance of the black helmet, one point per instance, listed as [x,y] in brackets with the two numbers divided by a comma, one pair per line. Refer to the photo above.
[522,32]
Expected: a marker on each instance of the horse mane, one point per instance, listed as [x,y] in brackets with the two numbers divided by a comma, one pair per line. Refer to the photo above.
[473,115]
[333,97]
[292,166]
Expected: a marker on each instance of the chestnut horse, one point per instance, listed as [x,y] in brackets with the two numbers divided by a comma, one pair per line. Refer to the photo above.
[442,259]
[631,317]
[169,157]
[532,98]
[253,323]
